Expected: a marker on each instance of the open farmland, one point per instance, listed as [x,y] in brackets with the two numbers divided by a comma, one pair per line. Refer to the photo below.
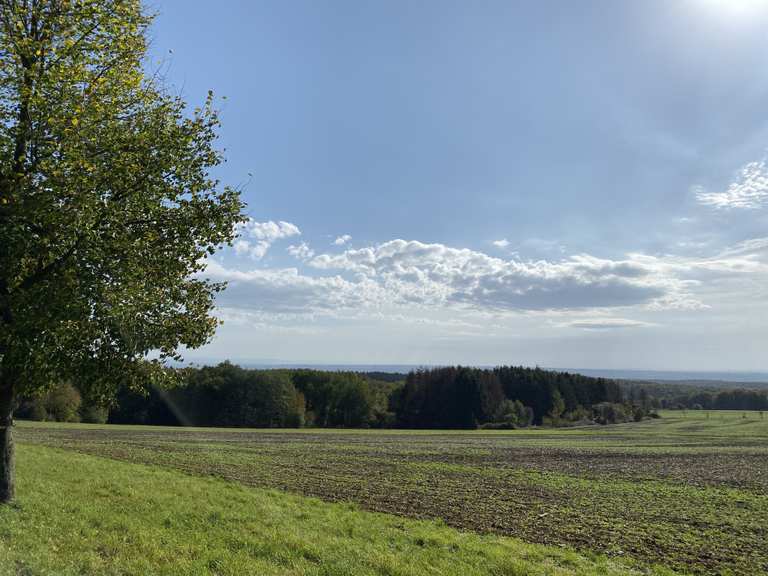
[83,515]
[688,491]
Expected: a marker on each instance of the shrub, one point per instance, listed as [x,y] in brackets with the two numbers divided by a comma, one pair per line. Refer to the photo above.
[94,414]
[610,413]
[62,403]
[578,414]
[512,414]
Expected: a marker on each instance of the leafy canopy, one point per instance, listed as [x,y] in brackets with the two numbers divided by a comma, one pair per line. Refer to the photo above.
[107,205]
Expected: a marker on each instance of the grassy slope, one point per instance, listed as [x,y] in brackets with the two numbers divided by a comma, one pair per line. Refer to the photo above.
[80,514]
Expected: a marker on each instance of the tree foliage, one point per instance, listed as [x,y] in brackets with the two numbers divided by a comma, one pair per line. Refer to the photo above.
[107,206]
[61,403]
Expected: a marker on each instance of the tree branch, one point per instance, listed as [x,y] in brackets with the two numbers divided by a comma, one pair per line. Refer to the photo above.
[41,273]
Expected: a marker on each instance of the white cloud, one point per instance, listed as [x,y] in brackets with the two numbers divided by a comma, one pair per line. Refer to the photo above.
[341,240]
[503,243]
[438,274]
[605,324]
[255,238]
[301,251]
[285,290]
[748,191]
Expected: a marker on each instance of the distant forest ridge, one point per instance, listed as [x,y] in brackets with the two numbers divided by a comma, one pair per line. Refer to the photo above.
[736,378]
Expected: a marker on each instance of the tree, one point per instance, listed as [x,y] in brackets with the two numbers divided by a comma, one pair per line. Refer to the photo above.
[62,403]
[557,406]
[353,401]
[513,414]
[259,399]
[107,207]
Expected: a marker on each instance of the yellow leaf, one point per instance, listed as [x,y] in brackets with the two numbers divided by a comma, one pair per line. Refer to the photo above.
[75,121]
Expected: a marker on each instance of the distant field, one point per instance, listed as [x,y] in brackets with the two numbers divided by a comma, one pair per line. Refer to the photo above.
[688,491]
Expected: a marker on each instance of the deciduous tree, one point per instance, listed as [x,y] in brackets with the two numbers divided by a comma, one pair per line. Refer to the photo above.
[107,206]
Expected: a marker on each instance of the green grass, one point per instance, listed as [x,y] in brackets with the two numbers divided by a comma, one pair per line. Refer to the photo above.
[80,514]
[688,491]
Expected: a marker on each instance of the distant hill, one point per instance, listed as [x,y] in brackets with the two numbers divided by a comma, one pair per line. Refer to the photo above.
[697,378]
[716,384]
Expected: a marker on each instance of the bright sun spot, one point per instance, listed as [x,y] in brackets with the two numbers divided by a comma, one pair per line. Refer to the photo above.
[742,8]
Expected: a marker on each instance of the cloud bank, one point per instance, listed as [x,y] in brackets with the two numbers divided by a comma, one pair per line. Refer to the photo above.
[408,273]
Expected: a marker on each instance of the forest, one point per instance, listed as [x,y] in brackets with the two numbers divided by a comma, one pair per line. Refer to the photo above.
[504,397]
[444,398]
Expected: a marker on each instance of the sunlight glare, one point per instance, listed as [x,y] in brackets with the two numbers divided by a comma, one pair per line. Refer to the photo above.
[735,8]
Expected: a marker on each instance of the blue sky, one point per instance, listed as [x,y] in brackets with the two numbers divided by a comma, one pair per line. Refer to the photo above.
[554,183]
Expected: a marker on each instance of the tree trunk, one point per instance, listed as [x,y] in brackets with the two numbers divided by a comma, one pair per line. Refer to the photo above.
[6,444]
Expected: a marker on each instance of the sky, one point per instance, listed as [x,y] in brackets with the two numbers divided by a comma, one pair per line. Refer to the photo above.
[554,183]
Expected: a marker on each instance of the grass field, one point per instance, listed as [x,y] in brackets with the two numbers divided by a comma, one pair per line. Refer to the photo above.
[84,515]
[688,491]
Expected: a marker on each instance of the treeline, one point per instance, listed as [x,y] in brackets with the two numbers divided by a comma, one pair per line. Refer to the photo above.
[448,398]
[453,397]
[722,400]
[674,396]
[228,395]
